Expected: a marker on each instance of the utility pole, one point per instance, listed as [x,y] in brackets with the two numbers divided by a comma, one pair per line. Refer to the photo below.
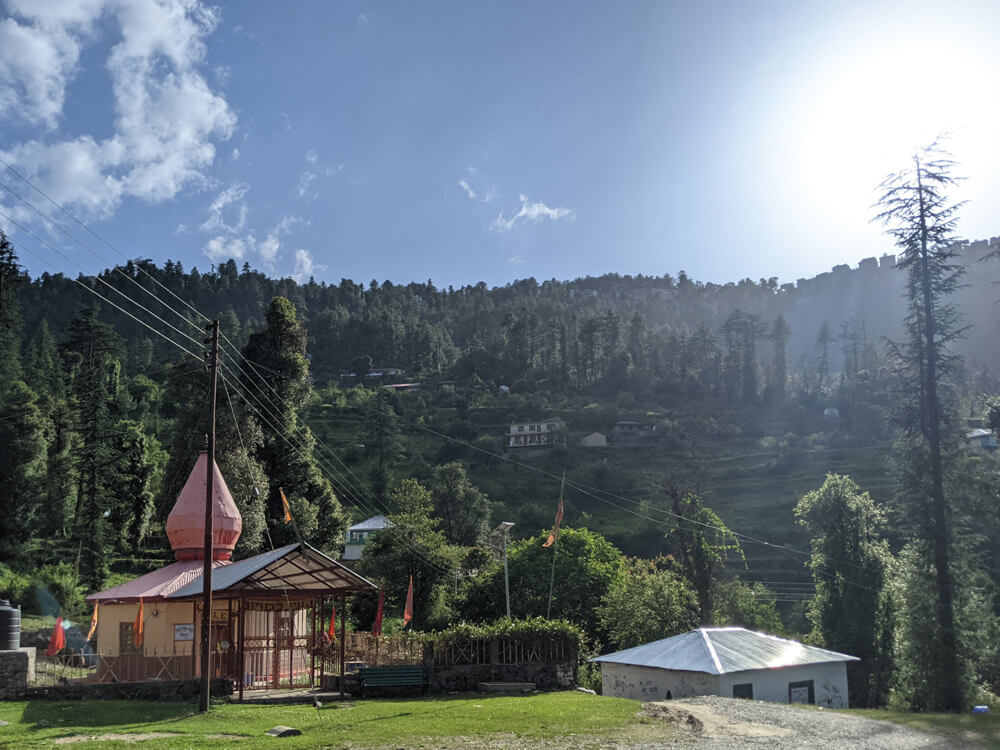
[206,577]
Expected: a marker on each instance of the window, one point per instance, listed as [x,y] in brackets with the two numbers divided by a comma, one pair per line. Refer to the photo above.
[743,690]
[801,692]
[126,642]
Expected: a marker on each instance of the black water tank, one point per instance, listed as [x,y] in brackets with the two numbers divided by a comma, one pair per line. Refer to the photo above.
[10,627]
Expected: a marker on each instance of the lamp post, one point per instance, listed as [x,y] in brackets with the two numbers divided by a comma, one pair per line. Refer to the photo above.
[502,531]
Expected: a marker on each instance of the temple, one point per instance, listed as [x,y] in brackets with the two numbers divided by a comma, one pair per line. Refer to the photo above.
[267,610]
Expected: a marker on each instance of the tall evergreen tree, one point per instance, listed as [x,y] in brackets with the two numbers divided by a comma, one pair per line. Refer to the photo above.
[93,349]
[919,216]
[11,279]
[276,368]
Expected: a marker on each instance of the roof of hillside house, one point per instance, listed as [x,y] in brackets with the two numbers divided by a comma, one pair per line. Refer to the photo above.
[371,524]
[978,434]
[294,569]
[723,650]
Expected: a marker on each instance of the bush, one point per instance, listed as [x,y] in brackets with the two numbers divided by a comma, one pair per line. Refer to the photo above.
[54,588]
[13,586]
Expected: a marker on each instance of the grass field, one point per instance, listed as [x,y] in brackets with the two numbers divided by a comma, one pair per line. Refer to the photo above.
[575,718]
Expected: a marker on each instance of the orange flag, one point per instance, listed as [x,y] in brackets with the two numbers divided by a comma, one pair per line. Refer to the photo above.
[331,632]
[137,626]
[377,628]
[284,504]
[555,529]
[57,641]
[408,612]
[93,623]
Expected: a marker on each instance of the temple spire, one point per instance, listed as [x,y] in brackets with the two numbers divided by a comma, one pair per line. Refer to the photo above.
[186,522]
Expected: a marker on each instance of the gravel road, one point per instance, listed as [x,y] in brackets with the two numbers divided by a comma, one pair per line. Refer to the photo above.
[714,723]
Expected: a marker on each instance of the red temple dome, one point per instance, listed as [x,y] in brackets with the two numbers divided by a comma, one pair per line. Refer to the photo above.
[186,522]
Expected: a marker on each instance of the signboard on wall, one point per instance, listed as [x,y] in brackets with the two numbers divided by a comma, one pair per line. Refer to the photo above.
[184,631]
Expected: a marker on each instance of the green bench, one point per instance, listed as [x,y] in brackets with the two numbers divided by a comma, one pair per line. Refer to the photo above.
[392,677]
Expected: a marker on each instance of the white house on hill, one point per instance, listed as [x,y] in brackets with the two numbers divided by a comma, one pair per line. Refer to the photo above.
[731,662]
[359,534]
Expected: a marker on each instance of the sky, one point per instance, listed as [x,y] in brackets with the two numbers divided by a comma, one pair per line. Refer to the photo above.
[469,141]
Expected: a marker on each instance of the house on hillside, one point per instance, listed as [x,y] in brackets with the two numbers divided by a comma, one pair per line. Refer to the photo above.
[359,534]
[627,430]
[981,439]
[730,662]
[594,440]
[543,434]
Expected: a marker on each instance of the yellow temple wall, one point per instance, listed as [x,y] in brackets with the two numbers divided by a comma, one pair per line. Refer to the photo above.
[160,619]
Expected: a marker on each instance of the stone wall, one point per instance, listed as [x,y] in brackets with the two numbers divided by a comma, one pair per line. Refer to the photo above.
[153,690]
[17,671]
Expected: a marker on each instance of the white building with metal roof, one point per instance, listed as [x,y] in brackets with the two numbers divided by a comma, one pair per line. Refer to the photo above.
[731,662]
[359,534]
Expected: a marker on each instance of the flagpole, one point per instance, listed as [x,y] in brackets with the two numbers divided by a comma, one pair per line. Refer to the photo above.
[555,545]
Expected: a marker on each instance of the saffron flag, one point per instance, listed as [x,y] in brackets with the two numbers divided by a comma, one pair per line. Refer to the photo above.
[57,641]
[377,628]
[331,632]
[408,612]
[555,529]
[93,623]
[137,626]
[284,504]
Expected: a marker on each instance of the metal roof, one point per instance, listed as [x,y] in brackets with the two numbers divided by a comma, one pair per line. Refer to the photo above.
[157,584]
[723,650]
[371,524]
[293,569]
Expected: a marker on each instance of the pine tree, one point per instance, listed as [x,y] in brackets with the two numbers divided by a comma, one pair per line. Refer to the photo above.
[918,214]
[275,363]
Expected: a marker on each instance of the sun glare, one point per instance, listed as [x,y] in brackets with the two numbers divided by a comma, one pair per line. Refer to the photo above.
[864,116]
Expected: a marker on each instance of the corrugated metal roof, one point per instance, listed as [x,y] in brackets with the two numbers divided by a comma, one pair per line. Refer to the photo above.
[371,524]
[723,650]
[293,568]
[158,583]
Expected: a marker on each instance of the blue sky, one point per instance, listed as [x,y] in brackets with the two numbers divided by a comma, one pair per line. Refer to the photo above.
[467,142]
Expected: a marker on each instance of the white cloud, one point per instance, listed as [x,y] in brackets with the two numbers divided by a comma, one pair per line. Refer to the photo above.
[232,196]
[515,260]
[181,228]
[362,19]
[236,154]
[468,190]
[530,213]
[311,156]
[165,117]
[267,250]
[305,180]
[39,55]
[288,121]
[331,171]
[305,266]
[222,248]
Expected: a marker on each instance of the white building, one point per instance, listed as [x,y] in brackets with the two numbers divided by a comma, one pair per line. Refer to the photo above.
[594,440]
[731,662]
[359,534]
[539,434]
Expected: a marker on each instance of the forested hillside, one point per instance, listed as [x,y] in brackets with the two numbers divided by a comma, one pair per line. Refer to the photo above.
[745,396]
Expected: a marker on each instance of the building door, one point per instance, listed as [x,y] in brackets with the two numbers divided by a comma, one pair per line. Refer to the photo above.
[223,660]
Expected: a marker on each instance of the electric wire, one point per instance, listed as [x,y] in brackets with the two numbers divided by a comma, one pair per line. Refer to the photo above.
[579,487]
[97,278]
[300,449]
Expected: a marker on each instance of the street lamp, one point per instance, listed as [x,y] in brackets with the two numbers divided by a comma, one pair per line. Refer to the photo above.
[502,531]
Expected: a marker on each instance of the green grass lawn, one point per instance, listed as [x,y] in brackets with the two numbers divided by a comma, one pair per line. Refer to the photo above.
[578,718]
